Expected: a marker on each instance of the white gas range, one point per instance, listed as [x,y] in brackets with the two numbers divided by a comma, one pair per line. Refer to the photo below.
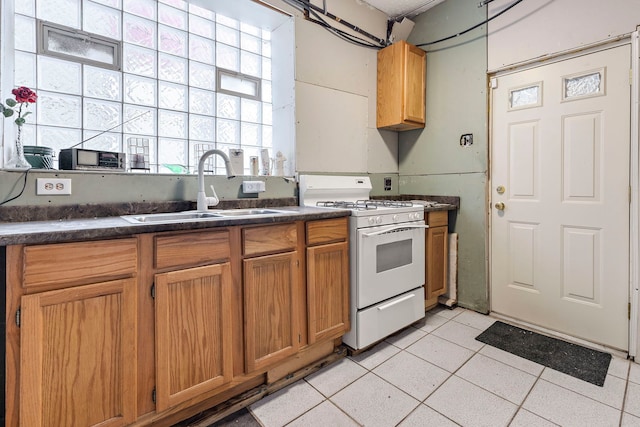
[387,255]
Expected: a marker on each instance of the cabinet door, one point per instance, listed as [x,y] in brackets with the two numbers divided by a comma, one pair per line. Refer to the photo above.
[270,307]
[414,100]
[328,291]
[78,353]
[193,333]
[436,262]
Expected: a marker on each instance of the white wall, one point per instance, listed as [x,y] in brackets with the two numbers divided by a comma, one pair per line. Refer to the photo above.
[335,86]
[534,29]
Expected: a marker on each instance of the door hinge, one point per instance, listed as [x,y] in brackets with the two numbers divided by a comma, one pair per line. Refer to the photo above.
[18,312]
[297,263]
[153,290]
[153,395]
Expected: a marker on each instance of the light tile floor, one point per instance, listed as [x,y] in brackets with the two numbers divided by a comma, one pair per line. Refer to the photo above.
[435,373]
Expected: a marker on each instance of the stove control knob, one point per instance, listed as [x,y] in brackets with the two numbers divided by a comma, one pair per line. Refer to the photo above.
[378,220]
[396,218]
[372,220]
[412,215]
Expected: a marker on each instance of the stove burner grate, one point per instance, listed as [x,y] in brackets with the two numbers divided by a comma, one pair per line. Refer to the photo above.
[359,204]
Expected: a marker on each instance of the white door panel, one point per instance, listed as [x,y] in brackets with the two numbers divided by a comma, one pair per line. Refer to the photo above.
[560,149]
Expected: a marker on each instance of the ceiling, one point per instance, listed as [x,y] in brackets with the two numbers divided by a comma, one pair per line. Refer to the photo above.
[402,8]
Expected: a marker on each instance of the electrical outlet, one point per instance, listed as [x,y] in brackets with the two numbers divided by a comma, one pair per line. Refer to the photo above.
[53,187]
[253,186]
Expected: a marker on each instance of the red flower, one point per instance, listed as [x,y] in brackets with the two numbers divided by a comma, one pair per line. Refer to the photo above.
[24,94]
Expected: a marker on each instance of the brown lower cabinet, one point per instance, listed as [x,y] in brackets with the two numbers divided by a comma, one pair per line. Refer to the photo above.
[154,328]
[437,257]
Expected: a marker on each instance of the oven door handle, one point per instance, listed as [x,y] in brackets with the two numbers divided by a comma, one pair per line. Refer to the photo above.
[392,303]
[399,227]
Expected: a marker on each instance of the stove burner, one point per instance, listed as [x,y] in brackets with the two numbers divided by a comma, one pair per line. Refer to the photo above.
[365,204]
[359,204]
[392,203]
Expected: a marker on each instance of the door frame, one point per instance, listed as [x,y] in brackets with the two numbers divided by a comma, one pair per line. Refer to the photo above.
[634,167]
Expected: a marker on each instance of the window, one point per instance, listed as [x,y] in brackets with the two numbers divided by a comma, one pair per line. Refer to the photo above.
[165,74]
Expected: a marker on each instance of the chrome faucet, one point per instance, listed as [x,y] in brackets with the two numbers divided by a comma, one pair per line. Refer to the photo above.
[203,202]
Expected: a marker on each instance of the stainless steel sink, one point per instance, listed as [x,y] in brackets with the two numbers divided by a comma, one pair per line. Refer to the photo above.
[192,216]
[250,212]
[171,217]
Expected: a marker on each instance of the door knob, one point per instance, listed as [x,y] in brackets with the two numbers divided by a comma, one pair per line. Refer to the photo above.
[499,206]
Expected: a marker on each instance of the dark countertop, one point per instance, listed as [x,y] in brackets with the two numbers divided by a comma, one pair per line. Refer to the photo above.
[33,232]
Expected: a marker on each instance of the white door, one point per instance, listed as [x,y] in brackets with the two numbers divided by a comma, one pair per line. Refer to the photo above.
[560,166]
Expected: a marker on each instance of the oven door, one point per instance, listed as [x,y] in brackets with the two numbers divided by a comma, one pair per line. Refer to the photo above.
[390,260]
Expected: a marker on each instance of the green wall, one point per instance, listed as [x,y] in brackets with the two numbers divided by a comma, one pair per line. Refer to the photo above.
[431,160]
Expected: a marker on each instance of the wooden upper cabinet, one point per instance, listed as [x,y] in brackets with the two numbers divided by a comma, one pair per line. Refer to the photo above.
[401,103]
[77,356]
[193,333]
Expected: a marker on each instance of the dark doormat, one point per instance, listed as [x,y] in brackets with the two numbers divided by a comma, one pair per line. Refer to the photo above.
[572,359]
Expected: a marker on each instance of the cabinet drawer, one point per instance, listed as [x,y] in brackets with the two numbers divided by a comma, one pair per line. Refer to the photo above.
[327,231]
[437,218]
[269,239]
[188,249]
[69,264]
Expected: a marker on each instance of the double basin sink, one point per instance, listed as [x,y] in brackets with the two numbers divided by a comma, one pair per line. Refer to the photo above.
[200,216]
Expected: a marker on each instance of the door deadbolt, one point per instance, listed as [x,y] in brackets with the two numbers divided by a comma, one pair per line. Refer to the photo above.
[499,206]
[500,189]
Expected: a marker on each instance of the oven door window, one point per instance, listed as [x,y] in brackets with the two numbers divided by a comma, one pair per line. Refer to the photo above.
[388,263]
[393,255]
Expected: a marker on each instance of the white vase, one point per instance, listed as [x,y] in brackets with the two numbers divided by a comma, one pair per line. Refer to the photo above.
[18,161]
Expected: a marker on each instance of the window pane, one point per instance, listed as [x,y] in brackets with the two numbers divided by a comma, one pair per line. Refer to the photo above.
[251,110]
[238,84]
[250,43]
[227,35]
[201,128]
[525,97]
[172,124]
[202,101]
[228,106]
[138,60]
[140,120]
[58,75]
[139,90]
[144,8]
[172,17]
[228,131]
[25,39]
[202,75]
[232,23]
[172,96]
[65,12]
[101,83]
[199,11]
[68,44]
[25,7]
[180,4]
[201,49]
[250,29]
[58,138]
[172,152]
[108,141]
[113,3]
[139,31]
[25,74]
[101,115]
[250,134]
[582,85]
[227,57]
[172,41]
[251,64]
[101,20]
[59,110]
[172,68]
[202,27]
